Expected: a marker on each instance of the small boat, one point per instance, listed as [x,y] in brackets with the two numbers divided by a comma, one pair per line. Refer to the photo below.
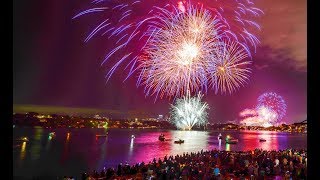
[101,135]
[231,140]
[161,137]
[132,137]
[262,140]
[219,136]
[24,139]
[179,141]
[52,134]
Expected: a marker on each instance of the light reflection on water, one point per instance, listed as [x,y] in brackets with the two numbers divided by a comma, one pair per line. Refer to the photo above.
[227,147]
[65,153]
[23,150]
[35,147]
[193,141]
[76,150]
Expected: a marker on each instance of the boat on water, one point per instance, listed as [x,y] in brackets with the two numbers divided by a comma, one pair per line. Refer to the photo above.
[132,137]
[180,141]
[161,137]
[24,139]
[231,140]
[52,134]
[262,140]
[101,135]
[220,136]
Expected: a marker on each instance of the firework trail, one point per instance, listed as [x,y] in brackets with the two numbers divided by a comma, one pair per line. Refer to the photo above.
[187,53]
[189,111]
[237,16]
[247,112]
[124,23]
[133,28]
[230,70]
[262,116]
[179,53]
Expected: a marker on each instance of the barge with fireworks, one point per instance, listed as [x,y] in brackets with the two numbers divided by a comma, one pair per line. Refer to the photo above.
[180,141]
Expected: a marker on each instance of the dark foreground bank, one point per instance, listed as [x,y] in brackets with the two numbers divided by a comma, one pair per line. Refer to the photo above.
[214,164]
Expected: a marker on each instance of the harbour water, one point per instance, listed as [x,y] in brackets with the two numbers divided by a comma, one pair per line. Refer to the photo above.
[73,151]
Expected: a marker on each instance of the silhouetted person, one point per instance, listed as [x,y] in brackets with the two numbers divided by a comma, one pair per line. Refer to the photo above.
[83,176]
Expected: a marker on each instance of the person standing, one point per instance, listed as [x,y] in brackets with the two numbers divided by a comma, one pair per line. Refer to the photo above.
[216,171]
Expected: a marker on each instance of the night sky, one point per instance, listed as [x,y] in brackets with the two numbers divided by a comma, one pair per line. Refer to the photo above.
[52,66]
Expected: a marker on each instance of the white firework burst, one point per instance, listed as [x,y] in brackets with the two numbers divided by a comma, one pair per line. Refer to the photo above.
[179,52]
[189,111]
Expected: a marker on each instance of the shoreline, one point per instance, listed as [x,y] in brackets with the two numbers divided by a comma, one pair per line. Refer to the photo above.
[219,130]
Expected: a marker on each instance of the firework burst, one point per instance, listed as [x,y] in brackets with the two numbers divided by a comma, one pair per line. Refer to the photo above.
[238,18]
[174,46]
[267,115]
[270,109]
[179,52]
[189,111]
[230,70]
[274,103]
[262,116]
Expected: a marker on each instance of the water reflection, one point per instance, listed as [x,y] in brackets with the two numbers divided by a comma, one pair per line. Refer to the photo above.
[71,144]
[227,147]
[131,144]
[66,148]
[147,146]
[270,143]
[251,140]
[193,141]
[68,137]
[35,145]
[48,144]
[102,153]
[23,150]
[131,147]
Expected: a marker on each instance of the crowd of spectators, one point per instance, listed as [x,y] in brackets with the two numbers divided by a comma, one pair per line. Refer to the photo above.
[214,164]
